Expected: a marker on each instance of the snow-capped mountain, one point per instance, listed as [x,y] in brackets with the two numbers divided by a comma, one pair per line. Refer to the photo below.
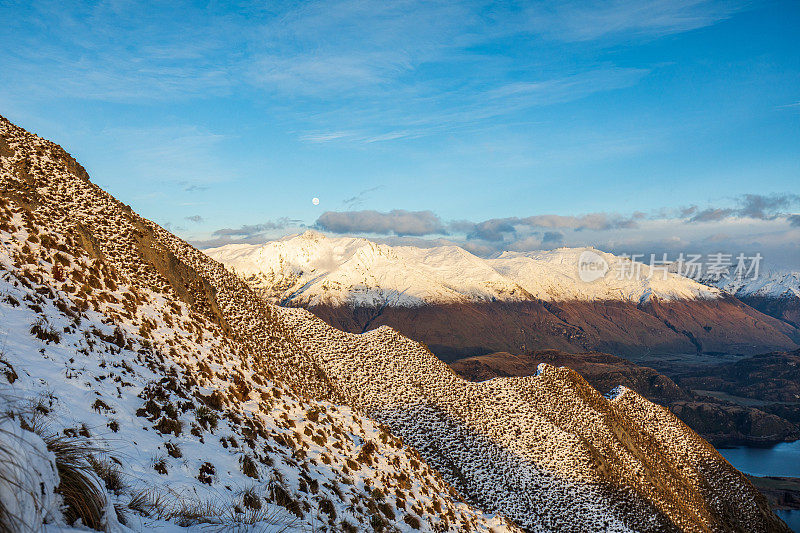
[312,269]
[773,284]
[462,305]
[182,399]
[775,293]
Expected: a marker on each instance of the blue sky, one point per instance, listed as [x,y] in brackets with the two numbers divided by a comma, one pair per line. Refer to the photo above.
[223,120]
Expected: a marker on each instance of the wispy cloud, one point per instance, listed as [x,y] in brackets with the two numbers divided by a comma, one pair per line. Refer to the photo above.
[251,233]
[181,154]
[348,62]
[191,187]
[755,222]
[358,199]
[550,226]
[323,137]
[757,206]
[252,230]
[573,21]
[120,52]
[568,87]
[434,111]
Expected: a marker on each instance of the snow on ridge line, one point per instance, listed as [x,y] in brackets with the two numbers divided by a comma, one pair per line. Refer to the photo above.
[185,410]
[311,269]
[776,284]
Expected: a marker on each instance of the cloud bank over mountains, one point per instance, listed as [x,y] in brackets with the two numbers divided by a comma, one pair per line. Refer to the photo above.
[396,222]
[750,223]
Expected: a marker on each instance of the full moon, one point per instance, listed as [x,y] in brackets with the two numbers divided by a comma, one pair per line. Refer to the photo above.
[315,201]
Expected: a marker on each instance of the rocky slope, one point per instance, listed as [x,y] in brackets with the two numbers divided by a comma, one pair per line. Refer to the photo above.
[718,420]
[180,378]
[461,305]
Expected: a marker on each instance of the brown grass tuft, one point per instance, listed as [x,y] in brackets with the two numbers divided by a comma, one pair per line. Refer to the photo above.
[84,499]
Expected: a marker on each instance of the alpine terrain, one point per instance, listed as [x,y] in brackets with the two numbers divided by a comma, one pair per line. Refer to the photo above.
[462,305]
[147,387]
[775,293]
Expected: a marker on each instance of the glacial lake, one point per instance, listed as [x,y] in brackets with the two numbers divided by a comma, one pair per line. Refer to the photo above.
[780,460]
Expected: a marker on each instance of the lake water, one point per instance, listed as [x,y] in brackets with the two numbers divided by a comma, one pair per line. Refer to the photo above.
[780,460]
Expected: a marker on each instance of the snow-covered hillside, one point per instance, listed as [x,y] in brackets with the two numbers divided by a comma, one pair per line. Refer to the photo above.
[312,269]
[198,404]
[185,425]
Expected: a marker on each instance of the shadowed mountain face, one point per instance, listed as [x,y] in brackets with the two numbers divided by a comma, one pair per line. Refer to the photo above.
[451,331]
[122,322]
[770,377]
[785,308]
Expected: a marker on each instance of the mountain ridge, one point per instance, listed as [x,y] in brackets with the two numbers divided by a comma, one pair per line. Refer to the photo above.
[312,269]
[462,305]
[719,421]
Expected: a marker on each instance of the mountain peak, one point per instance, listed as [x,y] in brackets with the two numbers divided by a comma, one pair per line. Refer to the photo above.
[312,268]
[309,235]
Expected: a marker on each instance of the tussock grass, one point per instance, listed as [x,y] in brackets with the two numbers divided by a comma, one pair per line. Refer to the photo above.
[84,499]
[206,417]
[109,473]
[82,493]
[10,521]
[214,514]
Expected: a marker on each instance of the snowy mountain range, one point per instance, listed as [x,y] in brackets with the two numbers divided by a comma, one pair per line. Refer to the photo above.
[144,387]
[312,269]
[460,304]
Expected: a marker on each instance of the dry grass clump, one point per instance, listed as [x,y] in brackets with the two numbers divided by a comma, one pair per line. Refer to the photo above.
[206,417]
[216,515]
[44,331]
[412,521]
[109,473]
[82,493]
[84,499]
